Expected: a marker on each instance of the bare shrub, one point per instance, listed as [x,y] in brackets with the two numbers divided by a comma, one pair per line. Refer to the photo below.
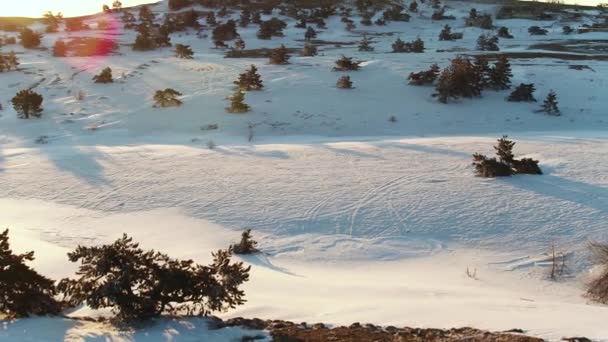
[597,289]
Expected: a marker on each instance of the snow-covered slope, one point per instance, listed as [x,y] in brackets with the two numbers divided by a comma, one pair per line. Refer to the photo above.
[359,218]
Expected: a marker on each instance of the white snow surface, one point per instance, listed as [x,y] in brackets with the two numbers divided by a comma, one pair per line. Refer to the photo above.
[359,219]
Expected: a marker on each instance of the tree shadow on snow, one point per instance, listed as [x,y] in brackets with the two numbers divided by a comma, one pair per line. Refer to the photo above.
[259,259]
[351,152]
[584,194]
[431,149]
[251,152]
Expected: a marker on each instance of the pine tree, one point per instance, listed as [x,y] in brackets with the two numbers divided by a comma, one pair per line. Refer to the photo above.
[500,78]
[105,76]
[167,98]
[245,17]
[250,80]
[8,62]
[239,44]
[503,32]
[446,33]
[426,77]
[506,164]
[458,80]
[310,34]
[211,21]
[145,15]
[399,46]
[29,38]
[504,150]
[279,55]
[183,51]
[523,93]
[247,245]
[27,104]
[237,103]
[483,71]
[344,82]
[413,6]
[550,104]
[309,50]
[346,64]
[487,43]
[144,40]
[23,291]
[140,285]
[365,44]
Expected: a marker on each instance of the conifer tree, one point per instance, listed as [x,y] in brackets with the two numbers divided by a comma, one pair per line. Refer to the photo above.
[365,44]
[279,55]
[8,62]
[167,98]
[446,33]
[27,104]
[105,76]
[250,80]
[523,93]
[550,104]
[183,51]
[247,245]
[211,20]
[29,38]
[310,34]
[500,78]
[487,43]
[458,80]
[245,17]
[346,64]
[309,50]
[399,46]
[483,71]
[503,32]
[426,77]
[23,291]
[237,103]
[239,44]
[344,82]
[413,6]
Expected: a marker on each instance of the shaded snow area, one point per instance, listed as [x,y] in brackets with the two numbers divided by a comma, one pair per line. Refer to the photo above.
[360,219]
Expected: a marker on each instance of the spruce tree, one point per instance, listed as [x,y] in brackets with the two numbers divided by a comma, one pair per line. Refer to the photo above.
[413,6]
[29,38]
[310,34]
[399,46]
[237,103]
[346,64]
[167,98]
[503,32]
[344,82]
[550,104]
[105,76]
[211,21]
[500,78]
[309,50]
[523,93]
[365,44]
[487,43]
[250,80]
[239,44]
[446,33]
[458,80]
[279,55]
[483,71]
[23,291]
[183,51]
[245,17]
[27,103]
[247,245]
[426,77]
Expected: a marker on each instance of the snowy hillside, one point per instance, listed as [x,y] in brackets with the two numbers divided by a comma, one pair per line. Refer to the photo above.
[360,218]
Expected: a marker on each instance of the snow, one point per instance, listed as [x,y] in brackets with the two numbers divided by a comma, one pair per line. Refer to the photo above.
[359,218]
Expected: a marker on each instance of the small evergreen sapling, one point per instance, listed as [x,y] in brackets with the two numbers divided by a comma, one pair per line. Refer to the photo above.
[309,50]
[346,64]
[167,98]
[279,55]
[310,34]
[426,77]
[105,76]
[506,164]
[365,45]
[250,80]
[247,245]
[344,82]
[503,32]
[183,51]
[27,104]
[237,103]
[550,104]
[523,93]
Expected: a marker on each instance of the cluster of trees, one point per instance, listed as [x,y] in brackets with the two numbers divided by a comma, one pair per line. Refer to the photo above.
[487,43]
[466,78]
[483,21]
[504,164]
[271,28]
[446,34]
[416,46]
[8,61]
[136,284]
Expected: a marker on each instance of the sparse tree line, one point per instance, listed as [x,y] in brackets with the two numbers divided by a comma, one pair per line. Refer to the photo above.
[136,284]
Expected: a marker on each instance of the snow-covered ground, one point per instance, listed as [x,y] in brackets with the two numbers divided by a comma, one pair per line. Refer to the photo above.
[359,218]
